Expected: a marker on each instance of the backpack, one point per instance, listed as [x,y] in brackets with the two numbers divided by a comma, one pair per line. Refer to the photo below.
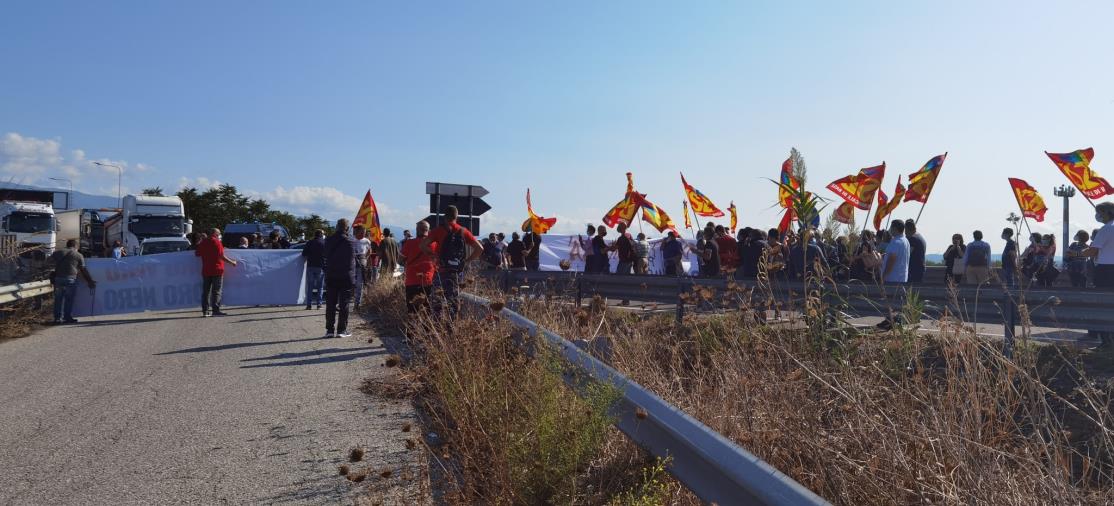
[454,251]
[978,258]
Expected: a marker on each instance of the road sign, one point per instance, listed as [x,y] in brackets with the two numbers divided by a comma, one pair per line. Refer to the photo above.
[455,189]
[468,206]
[472,224]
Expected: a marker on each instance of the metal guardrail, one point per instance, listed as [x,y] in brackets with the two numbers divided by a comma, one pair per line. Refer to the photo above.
[711,466]
[1079,309]
[24,291]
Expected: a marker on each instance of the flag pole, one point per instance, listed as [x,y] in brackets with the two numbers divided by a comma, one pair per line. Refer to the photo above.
[1025,221]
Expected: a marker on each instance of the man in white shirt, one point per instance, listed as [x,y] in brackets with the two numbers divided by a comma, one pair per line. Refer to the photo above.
[1102,250]
[363,252]
[895,267]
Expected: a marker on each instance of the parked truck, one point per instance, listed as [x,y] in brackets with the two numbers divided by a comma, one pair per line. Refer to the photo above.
[85,226]
[146,217]
[29,221]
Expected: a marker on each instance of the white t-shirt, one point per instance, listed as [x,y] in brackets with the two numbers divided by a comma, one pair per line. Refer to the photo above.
[1104,242]
[362,247]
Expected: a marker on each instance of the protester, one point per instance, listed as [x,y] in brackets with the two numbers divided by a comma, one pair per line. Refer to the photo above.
[68,263]
[213,259]
[1075,262]
[533,252]
[420,269]
[599,252]
[711,266]
[917,247]
[244,243]
[976,260]
[118,250]
[1009,258]
[672,251]
[1032,258]
[1047,272]
[641,254]
[624,248]
[752,250]
[777,255]
[341,251]
[314,253]
[257,241]
[953,267]
[586,246]
[493,254]
[804,257]
[728,250]
[363,258]
[1102,250]
[867,260]
[516,253]
[896,258]
[276,241]
[453,243]
[388,254]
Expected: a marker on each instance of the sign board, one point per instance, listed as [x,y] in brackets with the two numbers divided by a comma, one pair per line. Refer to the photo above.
[468,206]
[455,189]
[472,224]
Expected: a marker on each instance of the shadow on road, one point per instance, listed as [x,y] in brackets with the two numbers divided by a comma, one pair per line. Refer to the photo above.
[129,320]
[320,360]
[232,346]
[322,351]
[276,318]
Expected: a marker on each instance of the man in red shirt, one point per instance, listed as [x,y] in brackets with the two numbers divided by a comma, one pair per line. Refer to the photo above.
[452,256]
[728,249]
[213,258]
[420,269]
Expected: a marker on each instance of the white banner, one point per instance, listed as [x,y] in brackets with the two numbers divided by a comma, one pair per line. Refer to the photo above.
[173,281]
[556,248]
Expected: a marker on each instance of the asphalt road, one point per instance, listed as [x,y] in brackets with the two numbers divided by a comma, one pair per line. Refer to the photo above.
[170,408]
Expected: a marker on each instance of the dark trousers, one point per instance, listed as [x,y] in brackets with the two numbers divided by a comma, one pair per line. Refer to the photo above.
[417,297]
[211,287]
[447,287]
[65,289]
[338,293]
[1104,280]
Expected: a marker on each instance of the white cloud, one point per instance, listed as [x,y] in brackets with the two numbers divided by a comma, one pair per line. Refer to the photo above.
[201,183]
[323,200]
[30,160]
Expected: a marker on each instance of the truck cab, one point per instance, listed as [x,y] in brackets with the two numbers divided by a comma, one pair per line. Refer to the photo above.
[157,245]
[146,217]
[32,224]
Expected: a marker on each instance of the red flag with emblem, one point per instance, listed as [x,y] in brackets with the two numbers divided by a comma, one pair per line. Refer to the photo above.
[368,216]
[1077,167]
[1030,202]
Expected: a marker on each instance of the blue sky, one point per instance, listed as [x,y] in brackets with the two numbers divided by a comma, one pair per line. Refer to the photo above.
[311,103]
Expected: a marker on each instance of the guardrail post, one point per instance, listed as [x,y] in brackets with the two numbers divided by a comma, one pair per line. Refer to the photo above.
[1010,322]
[579,291]
[680,300]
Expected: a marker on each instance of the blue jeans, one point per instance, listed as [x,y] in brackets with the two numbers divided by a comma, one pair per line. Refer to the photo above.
[1008,276]
[315,281]
[359,288]
[447,287]
[64,291]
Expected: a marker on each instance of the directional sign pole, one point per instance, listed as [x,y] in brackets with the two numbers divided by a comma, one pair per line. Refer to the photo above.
[437,212]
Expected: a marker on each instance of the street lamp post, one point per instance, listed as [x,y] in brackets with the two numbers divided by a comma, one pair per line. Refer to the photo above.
[1066,192]
[69,196]
[1014,219]
[119,182]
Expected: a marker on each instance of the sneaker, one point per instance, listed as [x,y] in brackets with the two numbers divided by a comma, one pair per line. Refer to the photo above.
[344,334]
[319,306]
[205,314]
[329,334]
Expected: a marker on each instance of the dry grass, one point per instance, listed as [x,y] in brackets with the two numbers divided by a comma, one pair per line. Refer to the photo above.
[20,319]
[890,418]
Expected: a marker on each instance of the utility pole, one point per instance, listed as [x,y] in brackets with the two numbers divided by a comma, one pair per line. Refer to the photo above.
[1066,192]
[119,181]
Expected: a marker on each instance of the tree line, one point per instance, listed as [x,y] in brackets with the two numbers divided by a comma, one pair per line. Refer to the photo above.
[224,204]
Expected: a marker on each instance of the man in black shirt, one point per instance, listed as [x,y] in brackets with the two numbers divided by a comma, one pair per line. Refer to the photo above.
[917,247]
[516,253]
[710,267]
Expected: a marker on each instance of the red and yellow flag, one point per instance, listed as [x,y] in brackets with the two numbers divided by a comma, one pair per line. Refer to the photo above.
[1030,202]
[788,182]
[845,213]
[887,206]
[859,189]
[1077,167]
[685,206]
[535,223]
[368,216]
[922,181]
[734,216]
[701,205]
[657,217]
[625,210]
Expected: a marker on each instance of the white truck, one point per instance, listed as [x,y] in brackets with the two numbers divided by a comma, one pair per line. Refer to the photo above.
[32,225]
[83,225]
[146,217]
